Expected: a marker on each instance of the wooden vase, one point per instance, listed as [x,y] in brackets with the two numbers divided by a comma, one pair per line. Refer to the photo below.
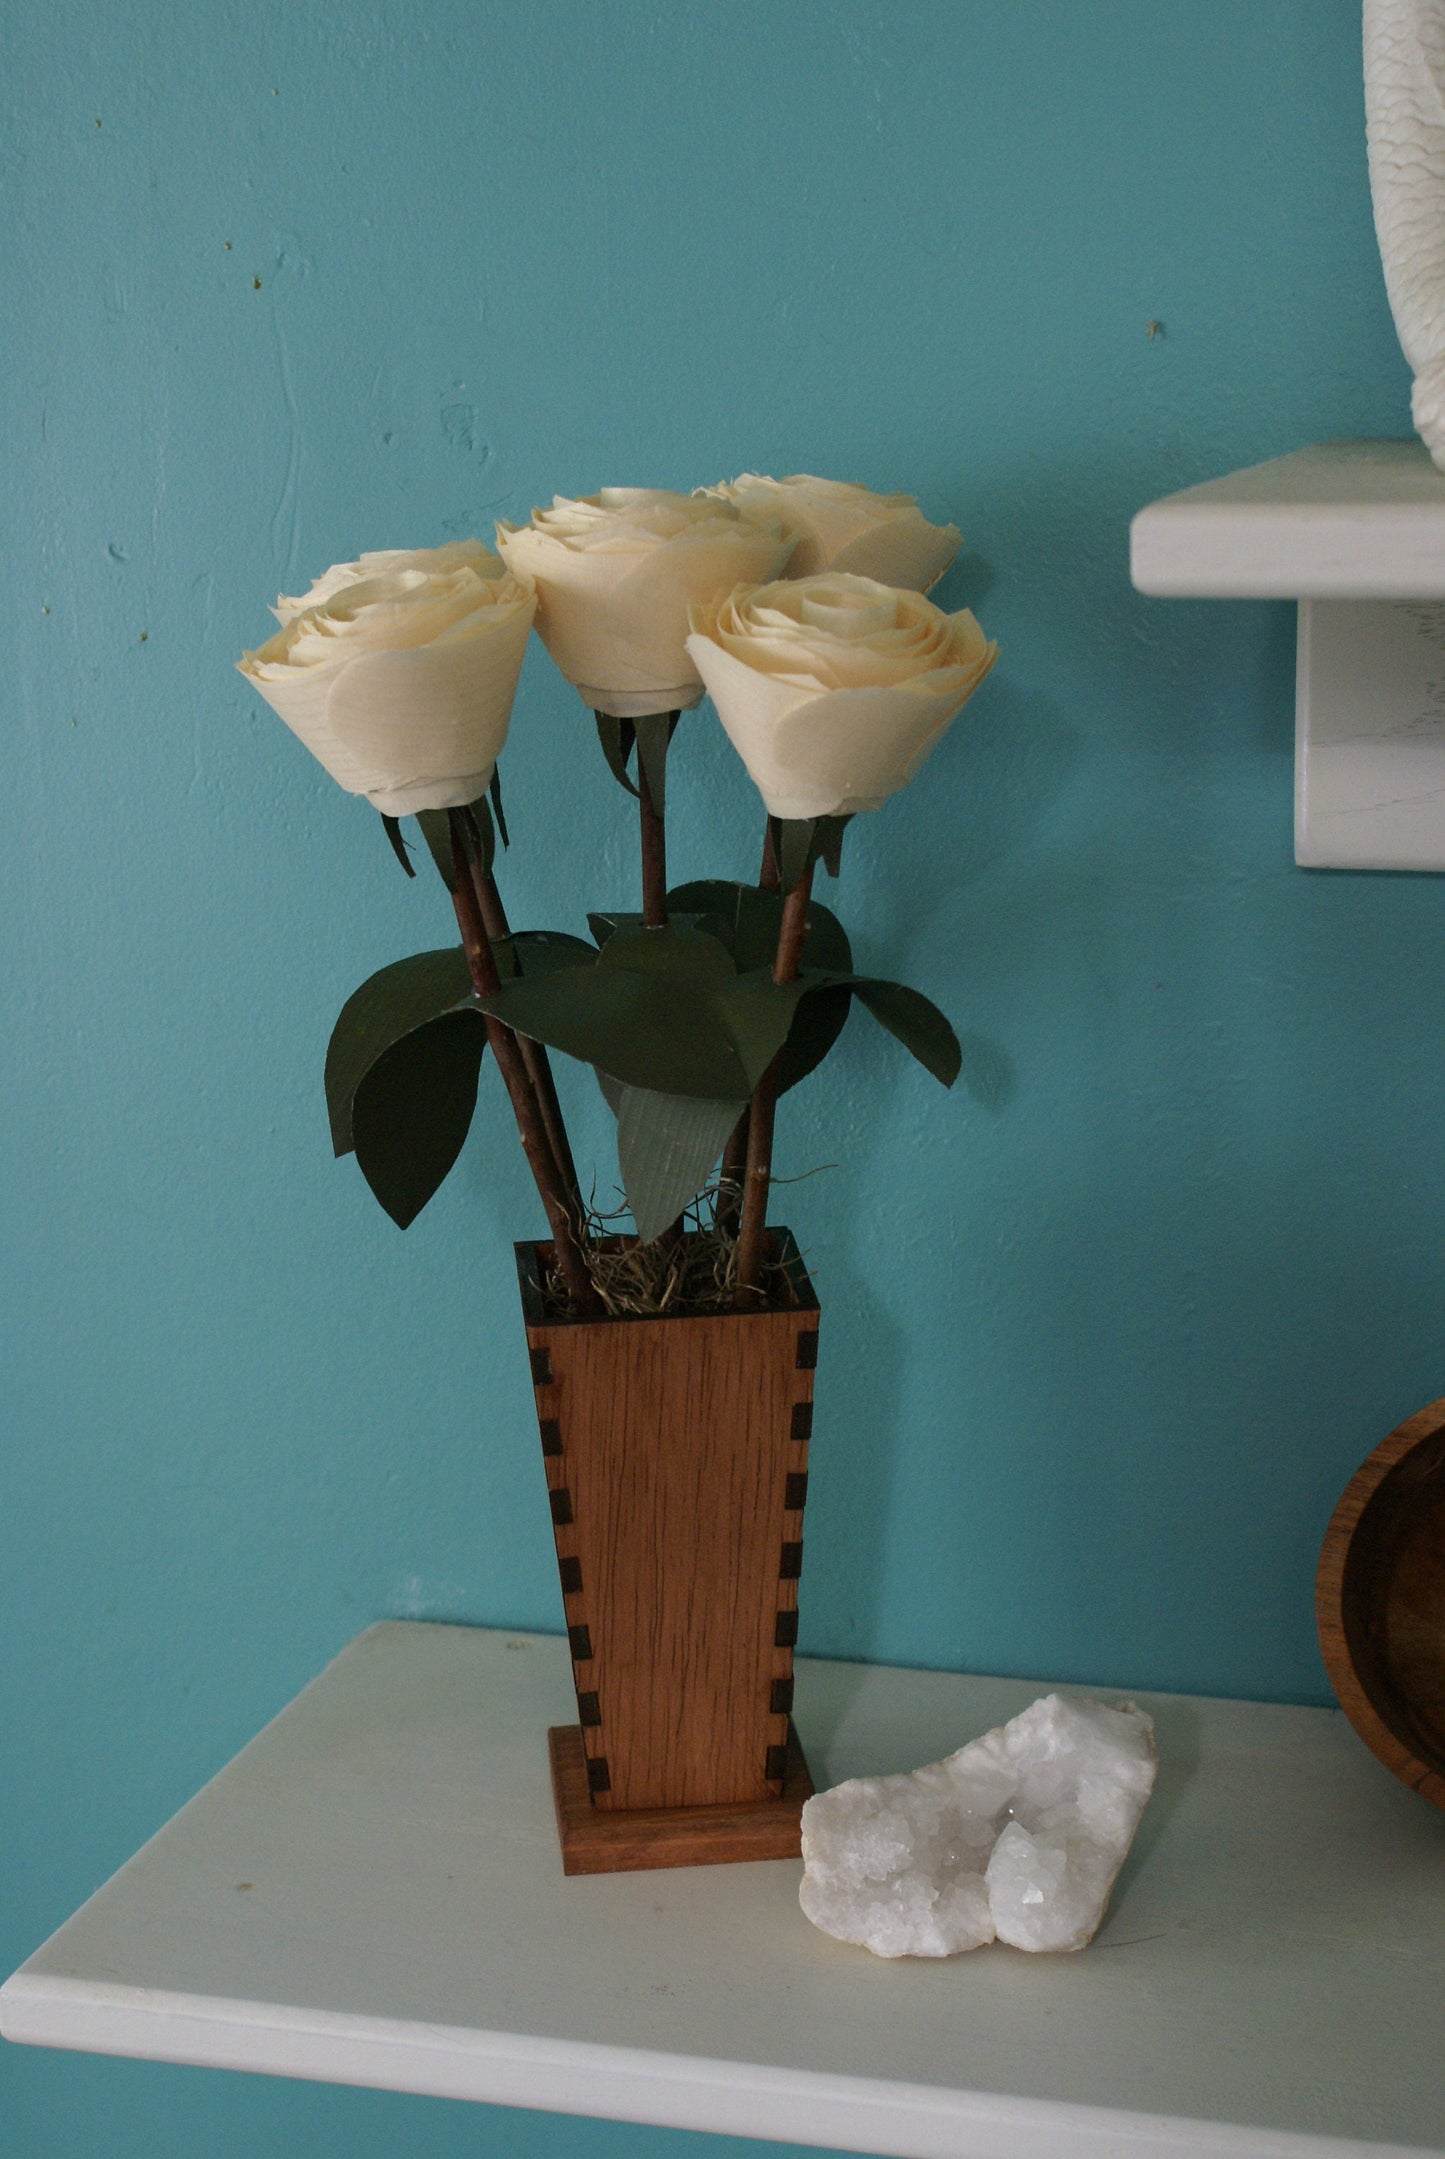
[676,1453]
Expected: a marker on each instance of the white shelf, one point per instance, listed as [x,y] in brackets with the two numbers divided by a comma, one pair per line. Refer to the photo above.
[1355,531]
[371,1894]
[1339,521]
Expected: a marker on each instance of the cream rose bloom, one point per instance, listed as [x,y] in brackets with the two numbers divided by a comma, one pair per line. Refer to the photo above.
[398,672]
[842,527]
[616,573]
[384,562]
[834,689]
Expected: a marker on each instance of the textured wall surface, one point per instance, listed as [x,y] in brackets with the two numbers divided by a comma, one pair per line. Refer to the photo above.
[1107,1328]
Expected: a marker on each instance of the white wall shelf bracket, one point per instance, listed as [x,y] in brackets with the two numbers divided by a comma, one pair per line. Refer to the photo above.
[1355,532]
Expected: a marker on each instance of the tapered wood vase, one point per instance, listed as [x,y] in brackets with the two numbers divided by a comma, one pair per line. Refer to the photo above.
[676,1453]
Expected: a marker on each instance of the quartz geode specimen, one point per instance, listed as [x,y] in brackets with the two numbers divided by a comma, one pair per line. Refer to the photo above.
[1016,1838]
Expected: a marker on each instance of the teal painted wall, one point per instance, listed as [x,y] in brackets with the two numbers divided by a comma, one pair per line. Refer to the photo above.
[1107,1329]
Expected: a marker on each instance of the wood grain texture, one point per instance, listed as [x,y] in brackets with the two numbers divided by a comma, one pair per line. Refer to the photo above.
[677,1496]
[1380,1601]
[621,1840]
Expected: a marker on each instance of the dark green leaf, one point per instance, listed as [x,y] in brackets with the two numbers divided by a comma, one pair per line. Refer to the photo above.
[496,794]
[478,834]
[915,1021]
[648,1032]
[543,952]
[436,830]
[661,1009]
[760,1012]
[412,1110]
[398,844]
[818,1021]
[666,1146]
[830,842]
[604,924]
[654,732]
[677,953]
[616,737]
[750,919]
[388,1006]
[793,845]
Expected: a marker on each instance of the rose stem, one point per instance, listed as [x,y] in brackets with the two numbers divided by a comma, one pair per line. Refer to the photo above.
[534,1054]
[654,855]
[735,1154]
[486,982]
[734,1164]
[791,933]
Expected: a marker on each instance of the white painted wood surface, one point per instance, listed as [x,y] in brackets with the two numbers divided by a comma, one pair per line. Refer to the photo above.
[1339,521]
[1355,531]
[1370,735]
[371,1894]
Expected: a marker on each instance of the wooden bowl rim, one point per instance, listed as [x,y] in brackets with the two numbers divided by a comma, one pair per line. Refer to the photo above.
[1373,1472]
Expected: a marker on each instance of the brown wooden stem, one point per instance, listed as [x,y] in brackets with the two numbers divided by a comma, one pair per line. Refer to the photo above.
[506,1049]
[654,856]
[758,1175]
[735,1154]
[534,1054]
[734,1168]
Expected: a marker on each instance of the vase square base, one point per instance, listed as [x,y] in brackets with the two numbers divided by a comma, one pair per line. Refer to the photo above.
[626,1838]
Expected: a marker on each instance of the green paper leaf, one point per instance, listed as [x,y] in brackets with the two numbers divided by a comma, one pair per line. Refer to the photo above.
[398,845]
[820,1018]
[793,846]
[748,920]
[495,791]
[402,1065]
[666,1146]
[915,1021]
[412,1111]
[436,830]
[388,1006]
[654,731]
[661,1009]
[616,737]
[479,835]
[605,924]
[546,952]
[676,953]
[830,842]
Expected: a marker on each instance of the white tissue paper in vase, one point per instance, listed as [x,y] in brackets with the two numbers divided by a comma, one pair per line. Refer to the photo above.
[1018,1837]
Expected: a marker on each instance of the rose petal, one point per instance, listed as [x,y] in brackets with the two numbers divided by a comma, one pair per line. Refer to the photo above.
[401,682]
[843,527]
[834,689]
[616,574]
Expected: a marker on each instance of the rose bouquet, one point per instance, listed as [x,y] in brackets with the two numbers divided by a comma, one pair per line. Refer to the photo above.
[799,606]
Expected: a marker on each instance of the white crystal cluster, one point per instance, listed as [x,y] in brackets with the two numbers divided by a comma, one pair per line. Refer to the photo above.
[1016,1838]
